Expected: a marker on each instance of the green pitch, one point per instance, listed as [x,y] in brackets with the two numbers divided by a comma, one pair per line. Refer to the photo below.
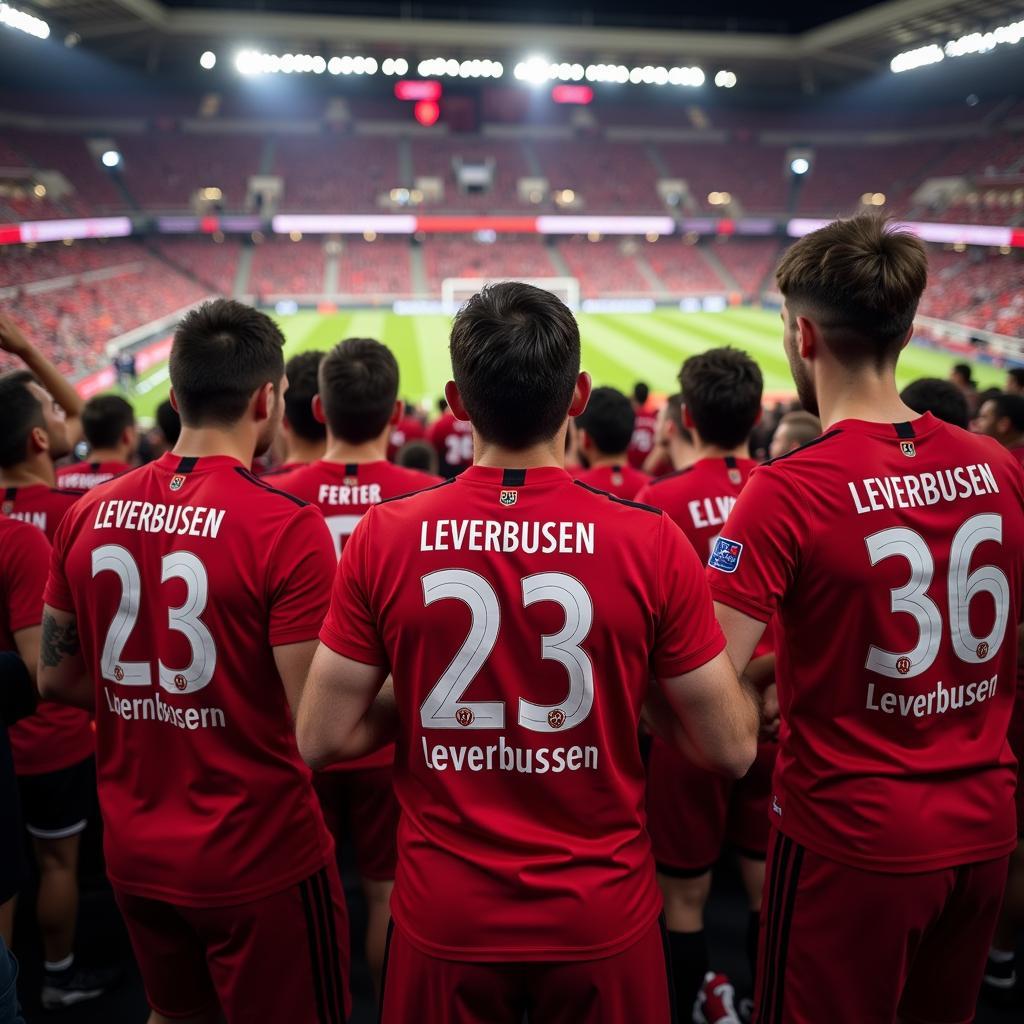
[618,349]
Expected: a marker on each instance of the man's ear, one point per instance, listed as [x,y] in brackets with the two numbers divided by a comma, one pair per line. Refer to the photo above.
[397,413]
[454,400]
[263,402]
[808,338]
[581,394]
[174,402]
[38,441]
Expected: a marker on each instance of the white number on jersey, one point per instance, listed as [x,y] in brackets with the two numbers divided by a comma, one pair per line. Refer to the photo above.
[458,449]
[962,587]
[444,707]
[184,619]
[340,528]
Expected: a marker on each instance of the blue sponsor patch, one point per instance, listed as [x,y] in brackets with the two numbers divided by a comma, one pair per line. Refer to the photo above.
[726,555]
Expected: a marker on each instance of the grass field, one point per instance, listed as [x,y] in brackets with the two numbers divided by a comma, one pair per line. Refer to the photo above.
[618,349]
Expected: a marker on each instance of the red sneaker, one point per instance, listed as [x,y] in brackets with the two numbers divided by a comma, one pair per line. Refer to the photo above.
[716,1001]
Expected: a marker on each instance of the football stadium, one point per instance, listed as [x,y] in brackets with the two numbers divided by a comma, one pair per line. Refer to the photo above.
[511,513]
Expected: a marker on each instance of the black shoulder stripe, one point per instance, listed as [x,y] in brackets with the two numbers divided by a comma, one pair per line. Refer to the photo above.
[803,447]
[422,490]
[187,464]
[246,475]
[618,500]
[669,476]
[513,478]
[78,491]
[905,430]
[10,493]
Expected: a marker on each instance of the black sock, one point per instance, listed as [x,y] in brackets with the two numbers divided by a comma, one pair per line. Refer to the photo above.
[689,965]
[753,934]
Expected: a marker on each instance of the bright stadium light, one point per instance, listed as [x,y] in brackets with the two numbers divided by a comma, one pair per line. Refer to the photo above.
[725,79]
[918,58]
[111,158]
[208,61]
[251,62]
[973,42]
[800,165]
[535,70]
[23,22]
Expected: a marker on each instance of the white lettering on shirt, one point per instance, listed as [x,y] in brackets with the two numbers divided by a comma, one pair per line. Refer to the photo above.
[155,517]
[873,494]
[548,538]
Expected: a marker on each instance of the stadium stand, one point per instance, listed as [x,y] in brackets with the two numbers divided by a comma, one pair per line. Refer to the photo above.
[510,256]
[749,261]
[283,267]
[213,263]
[606,176]
[380,267]
[604,268]
[437,157]
[682,268]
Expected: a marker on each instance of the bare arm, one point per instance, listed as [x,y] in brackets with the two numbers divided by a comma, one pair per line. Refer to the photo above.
[62,675]
[13,340]
[742,634]
[710,715]
[27,642]
[292,662]
[344,712]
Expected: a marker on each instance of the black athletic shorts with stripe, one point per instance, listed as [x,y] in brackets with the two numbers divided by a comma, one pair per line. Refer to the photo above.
[281,958]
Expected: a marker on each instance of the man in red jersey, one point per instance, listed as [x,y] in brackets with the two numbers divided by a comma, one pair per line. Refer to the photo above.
[673,445]
[794,430]
[604,429]
[892,551]
[1003,418]
[691,812]
[521,614]
[358,402]
[108,423]
[645,427]
[303,434]
[452,439]
[408,428]
[183,604]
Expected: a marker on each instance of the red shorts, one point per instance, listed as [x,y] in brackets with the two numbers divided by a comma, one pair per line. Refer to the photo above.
[361,803]
[634,985]
[281,958]
[849,946]
[692,813]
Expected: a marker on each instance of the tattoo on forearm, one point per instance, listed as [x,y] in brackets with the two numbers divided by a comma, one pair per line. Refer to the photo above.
[58,642]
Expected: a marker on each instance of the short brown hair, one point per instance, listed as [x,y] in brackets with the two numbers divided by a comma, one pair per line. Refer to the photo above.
[722,390]
[803,426]
[861,280]
[358,389]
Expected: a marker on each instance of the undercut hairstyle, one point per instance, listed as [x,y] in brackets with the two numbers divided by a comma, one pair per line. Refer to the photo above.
[223,353]
[105,418]
[722,390]
[20,414]
[802,426]
[358,389]
[942,398]
[641,392]
[861,282]
[169,422]
[515,353]
[1010,407]
[608,420]
[302,372]
[1017,375]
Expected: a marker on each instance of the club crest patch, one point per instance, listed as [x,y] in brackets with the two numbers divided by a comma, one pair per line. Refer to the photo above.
[177,482]
[735,477]
[509,497]
[726,555]
[908,449]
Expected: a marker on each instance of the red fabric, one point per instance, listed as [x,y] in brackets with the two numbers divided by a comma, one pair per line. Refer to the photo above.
[846,945]
[517,843]
[193,959]
[204,796]
[631,985]
[645,430]
[86,475]
[56,736]
[361,805]
[622,481]
[904,766]
[407,429]
[453,441]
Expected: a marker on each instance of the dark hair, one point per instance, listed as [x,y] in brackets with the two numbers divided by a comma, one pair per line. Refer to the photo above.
[20,414]
[358,389]
[1010,407]
[223,352]
[722,389]
[421,455]
[674,411]
[609,420]
[964,370]
[104,419]
[1017,373]
[942,398]
[515,358]
[641,392]
[861,281]
[803,426]
[169,422]
[302,372]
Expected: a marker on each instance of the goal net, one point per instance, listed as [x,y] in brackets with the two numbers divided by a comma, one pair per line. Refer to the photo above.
[455,291]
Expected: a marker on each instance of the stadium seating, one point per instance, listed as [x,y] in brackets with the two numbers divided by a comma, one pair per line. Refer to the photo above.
[22,264]
[603,268]
[682,268]
[986,293]
[606,176]
[283,267]
[214,264]
[435,157]
[509,256]
[748,260]
[381,267]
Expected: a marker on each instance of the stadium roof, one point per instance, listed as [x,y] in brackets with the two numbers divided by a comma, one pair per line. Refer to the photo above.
[832,42]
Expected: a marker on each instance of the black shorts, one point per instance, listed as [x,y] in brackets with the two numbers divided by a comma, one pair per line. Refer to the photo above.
[56,805]
[12,849]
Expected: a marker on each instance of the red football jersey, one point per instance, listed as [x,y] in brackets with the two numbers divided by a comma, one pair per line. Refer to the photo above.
[56,736]
[453,441]
[622,481]
[1018,453]
[344,493]
[645,430]
[407,429]
[521,614]
[86,475]
[700,498]
[894,555]
[279,471]
[183,576]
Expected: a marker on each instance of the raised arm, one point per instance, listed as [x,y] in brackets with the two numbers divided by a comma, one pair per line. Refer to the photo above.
[62,674]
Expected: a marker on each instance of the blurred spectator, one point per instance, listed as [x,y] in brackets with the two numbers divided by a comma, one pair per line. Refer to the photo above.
[795,429]
[1015,380]
[418,455]
[1002,417]
[942,398]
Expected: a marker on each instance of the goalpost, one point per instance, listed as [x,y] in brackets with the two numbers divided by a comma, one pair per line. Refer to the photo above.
[457,290]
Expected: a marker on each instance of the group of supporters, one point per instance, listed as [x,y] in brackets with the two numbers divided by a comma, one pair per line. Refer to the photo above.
[546,660]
